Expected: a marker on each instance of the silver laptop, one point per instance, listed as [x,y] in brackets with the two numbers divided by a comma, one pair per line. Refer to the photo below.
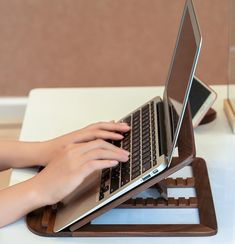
[152,139]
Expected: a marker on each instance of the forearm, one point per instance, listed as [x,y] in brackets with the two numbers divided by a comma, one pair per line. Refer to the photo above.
[18,200]
[16,154]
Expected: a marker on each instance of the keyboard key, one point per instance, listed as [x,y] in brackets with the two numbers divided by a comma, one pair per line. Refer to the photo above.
[136,168]
[125,166]
[135,154]
[136,149]
[135,163]
[117,143]
[136,174]
[114,184]
[101,196]
[146,160]
[105,175]
[145,108]
[146,145]
[146,155]
[115,174]
[125,176]
[136,114]
[136,144]
[136,141]
[146,150]
[126,146]
[146,166]
[127,120]
[125,180]
[106,188]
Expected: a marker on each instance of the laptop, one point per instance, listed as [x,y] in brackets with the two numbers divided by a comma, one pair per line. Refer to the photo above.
[154,132]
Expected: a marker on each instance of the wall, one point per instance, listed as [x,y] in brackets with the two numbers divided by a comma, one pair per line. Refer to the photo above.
[102,43]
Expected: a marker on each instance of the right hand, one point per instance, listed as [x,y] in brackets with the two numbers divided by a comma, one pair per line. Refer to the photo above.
[72,165]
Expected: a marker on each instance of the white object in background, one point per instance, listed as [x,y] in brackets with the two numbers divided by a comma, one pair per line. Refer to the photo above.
[12,110]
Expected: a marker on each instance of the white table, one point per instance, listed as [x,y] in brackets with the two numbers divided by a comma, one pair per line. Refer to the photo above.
[52,112]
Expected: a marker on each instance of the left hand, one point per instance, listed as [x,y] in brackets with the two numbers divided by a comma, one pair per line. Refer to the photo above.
[100,130]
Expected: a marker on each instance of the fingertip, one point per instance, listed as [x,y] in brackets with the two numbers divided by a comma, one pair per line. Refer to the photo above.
[124,123]
[120,136]
[124,126]
[128,127]
[114,162]
[126,152]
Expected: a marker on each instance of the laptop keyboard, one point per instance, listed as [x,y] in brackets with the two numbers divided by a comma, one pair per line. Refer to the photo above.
[141,143]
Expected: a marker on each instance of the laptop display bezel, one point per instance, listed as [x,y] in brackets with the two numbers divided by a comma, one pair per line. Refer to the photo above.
[171,142]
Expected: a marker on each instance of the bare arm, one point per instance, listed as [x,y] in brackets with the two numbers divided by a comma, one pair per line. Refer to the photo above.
[17,154]
[18,200]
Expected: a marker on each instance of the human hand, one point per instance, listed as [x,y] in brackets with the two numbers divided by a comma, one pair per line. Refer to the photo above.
[100,130]
[73,164]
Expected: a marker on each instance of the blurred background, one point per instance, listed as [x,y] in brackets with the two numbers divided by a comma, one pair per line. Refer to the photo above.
[83,43]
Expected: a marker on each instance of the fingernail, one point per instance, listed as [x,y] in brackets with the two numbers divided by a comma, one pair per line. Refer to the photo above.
[120,135]
[123,123]
[114,162]
[126,152]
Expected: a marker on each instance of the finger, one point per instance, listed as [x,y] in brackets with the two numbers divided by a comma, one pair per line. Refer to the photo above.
[100,144]
[93,165]
[97,154]
[121,127]
[89,135]
[107,135]
[99,134]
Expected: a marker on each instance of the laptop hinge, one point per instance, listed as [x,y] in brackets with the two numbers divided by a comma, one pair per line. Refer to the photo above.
[161,129]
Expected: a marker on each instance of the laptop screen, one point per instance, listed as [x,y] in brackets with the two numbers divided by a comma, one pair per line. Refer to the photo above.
[180,75]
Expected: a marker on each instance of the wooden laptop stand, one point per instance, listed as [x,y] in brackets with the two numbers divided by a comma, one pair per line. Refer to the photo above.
[41,221]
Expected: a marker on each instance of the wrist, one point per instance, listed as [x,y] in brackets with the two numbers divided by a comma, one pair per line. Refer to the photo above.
[47,151]
[38,192]
[38,152]
[35,194]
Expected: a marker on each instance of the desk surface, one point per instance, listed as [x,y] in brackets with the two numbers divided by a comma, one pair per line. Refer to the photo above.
[52,112]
